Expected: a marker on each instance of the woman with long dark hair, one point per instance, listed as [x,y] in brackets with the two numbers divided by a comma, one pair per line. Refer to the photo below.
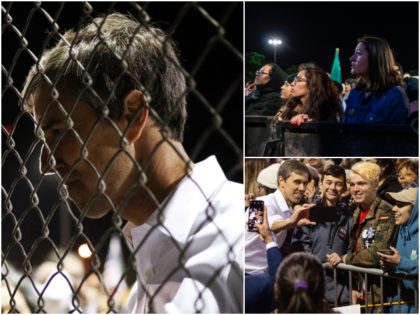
[314,97]
[379,96]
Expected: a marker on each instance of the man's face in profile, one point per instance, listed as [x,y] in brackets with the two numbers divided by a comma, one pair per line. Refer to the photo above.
[86,149]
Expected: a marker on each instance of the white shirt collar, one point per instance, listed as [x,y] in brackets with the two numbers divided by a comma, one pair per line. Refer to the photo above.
[281,202]
[189,200]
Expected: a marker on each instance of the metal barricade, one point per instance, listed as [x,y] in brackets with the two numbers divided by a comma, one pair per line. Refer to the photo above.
[265,137]
[377,273]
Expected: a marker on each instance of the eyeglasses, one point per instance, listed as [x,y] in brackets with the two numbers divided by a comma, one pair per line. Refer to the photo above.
[261,72]
[299,79]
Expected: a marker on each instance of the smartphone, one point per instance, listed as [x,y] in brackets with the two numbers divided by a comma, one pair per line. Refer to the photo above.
[323,214]
[255,214]
[386,251]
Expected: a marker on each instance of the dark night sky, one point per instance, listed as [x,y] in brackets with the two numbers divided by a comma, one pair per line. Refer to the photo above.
[310,31]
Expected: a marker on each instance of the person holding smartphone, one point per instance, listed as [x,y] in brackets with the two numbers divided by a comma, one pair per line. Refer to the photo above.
[331,233]
[293,177]
[403,258]
[259,288]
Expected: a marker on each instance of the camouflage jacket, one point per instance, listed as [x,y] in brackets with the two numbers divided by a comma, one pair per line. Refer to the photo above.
[377,231]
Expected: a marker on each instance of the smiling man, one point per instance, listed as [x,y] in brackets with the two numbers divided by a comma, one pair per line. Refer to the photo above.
[109,103]
[373,226]
[293,177]
[330,236]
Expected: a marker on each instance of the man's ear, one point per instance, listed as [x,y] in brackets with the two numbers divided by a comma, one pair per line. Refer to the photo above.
[136,112]
[280,181]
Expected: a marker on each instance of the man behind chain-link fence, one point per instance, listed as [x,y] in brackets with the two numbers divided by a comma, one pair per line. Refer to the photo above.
[109,101]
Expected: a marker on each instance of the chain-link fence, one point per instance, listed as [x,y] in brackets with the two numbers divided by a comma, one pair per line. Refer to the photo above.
[106,99]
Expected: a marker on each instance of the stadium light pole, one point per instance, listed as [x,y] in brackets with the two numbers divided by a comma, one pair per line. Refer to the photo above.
[275,43]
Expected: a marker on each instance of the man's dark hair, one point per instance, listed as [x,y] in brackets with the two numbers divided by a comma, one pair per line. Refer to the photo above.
[293,166]
[106,59]
[334,171]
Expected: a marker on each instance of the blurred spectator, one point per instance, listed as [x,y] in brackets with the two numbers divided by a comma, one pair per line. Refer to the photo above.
[347,163]
[388,181]
[299,286]
[408,171]
[341,94]
[349,84]
[265,99]
[379,96]
[56,287]
[252,169]
[346,195]
[405,256]
[320,164]
[312,189]
[267,180]
[411,87]
[285,94]
[19,302]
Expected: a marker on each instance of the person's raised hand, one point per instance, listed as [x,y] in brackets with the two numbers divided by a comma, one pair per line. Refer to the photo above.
[299,119]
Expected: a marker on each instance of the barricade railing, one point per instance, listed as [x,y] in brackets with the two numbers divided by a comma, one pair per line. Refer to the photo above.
[373,272]
[265,137]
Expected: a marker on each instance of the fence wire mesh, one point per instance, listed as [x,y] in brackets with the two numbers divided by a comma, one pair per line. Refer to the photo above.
[56,258]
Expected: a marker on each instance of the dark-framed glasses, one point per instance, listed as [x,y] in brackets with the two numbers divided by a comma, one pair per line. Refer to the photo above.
[299,79]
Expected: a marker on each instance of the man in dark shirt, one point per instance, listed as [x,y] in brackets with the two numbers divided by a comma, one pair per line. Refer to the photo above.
[330,236]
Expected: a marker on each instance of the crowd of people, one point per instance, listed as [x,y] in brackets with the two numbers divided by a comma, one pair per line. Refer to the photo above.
[65,282]
[378,92]
[361,212]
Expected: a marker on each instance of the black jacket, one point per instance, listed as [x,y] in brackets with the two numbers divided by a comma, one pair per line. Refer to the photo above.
[265,100]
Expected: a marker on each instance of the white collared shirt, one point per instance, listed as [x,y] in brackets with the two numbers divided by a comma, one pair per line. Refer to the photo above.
[255,250]
[189,255]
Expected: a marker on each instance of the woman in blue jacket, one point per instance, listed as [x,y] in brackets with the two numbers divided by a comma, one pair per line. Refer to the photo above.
[378,97]
[405,257]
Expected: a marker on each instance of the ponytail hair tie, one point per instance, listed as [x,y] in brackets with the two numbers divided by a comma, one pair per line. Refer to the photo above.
[300,284]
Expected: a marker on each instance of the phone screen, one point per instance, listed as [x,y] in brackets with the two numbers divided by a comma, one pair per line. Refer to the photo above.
[323,214]
[255,214]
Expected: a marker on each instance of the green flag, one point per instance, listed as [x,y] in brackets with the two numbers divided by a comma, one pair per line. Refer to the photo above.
[336,69]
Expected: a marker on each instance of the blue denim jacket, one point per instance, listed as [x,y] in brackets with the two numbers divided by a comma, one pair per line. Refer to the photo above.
[386,107]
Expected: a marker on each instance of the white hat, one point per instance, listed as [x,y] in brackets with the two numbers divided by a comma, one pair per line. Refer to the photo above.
[407,195]
[268,176]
